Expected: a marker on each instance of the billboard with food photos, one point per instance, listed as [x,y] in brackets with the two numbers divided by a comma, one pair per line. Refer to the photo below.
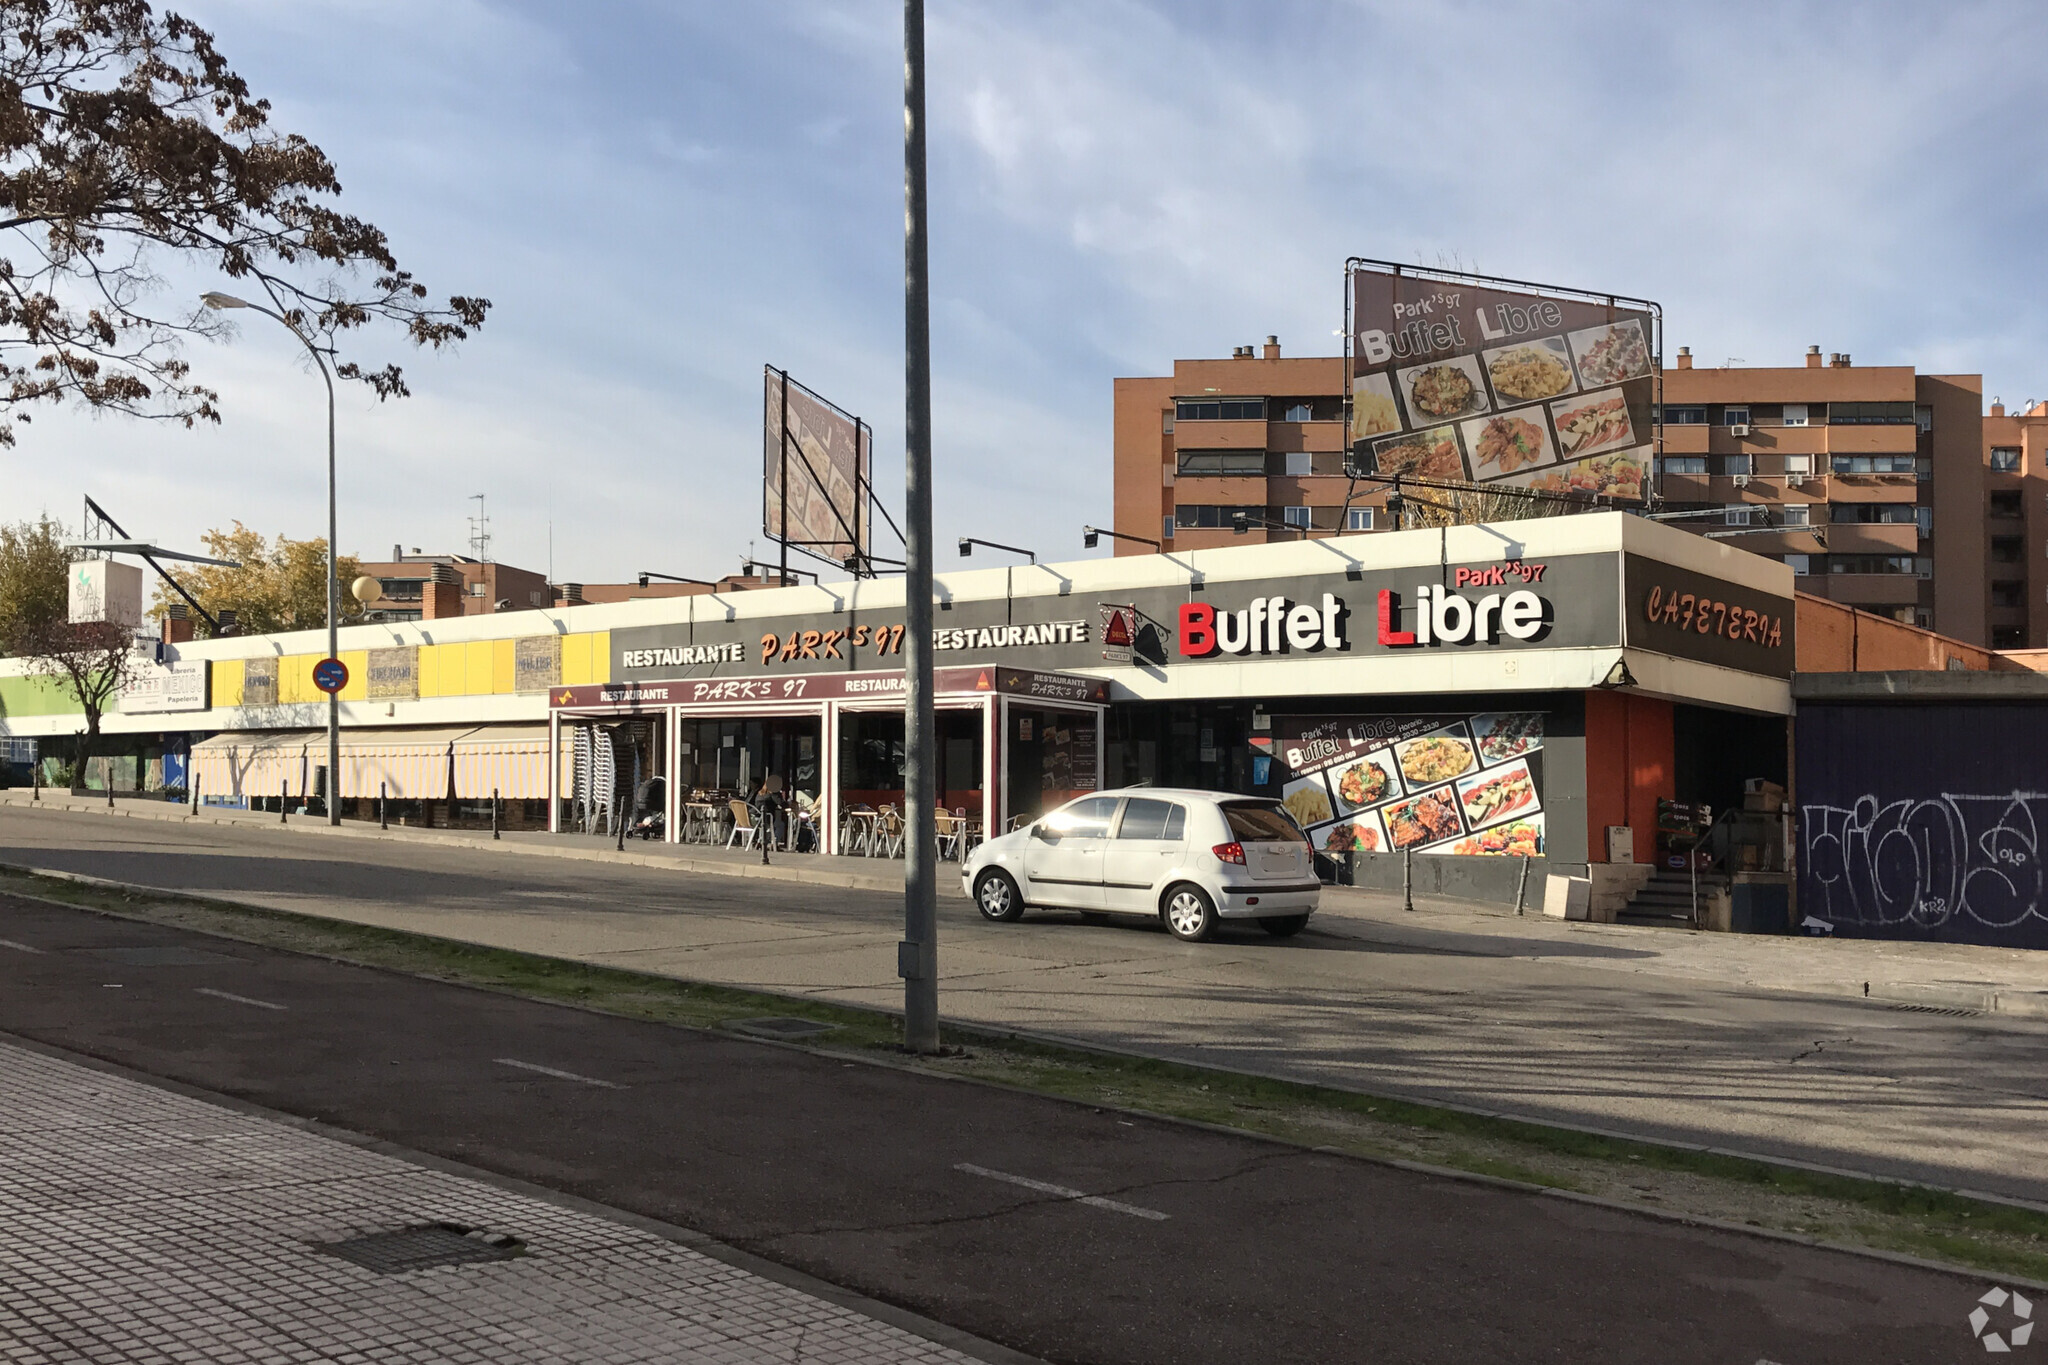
[1465,785]
[816,489]
[1469,379]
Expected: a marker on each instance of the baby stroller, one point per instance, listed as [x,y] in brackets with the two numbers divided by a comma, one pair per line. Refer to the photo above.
[650,810]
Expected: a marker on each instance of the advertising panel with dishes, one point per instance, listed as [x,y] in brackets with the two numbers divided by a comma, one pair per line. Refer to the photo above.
[1470,379]
[1468,785]
[817,495]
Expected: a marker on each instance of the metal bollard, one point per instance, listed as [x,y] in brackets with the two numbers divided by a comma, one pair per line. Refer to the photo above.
[1407,879]
[284,792]
[383,810]
[37,770]
[494,812]
[1522,886]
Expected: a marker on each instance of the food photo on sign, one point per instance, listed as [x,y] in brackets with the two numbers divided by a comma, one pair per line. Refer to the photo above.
[1465,378]
[1461,785]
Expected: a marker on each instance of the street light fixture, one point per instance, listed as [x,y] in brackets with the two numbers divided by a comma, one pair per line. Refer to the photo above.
[1089,533]
[671,578]
[967,544]
[1241,522]
[220,302]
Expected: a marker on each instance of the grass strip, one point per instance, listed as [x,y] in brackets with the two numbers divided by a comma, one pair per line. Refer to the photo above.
[1853,1211]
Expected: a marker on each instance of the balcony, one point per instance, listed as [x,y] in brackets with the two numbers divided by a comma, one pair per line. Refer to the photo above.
[1873,538]
[1874,487]
[1866,589]
[1223,435]
[1327,436]
[1875,440]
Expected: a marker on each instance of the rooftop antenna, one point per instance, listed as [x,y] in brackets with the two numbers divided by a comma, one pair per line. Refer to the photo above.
[479,532]
[1734,360]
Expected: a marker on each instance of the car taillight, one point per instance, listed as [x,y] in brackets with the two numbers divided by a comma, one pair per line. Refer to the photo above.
[1230,853]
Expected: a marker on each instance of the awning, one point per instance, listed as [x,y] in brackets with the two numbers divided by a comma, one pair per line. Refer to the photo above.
[402,764]
[252,763]
[511,760]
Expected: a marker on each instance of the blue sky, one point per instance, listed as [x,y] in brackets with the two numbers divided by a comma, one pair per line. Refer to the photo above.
[660,198]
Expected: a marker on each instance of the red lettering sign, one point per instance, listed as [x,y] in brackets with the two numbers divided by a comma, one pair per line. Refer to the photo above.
[1197,630]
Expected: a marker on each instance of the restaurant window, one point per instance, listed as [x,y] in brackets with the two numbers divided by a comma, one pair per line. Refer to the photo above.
[2007,594]
[1801,564]
[1685,417]
[2005,502]
[1795,415]
[1685,464]
[1870,414]
[1295,516]
[1208,516]
[1195,463]
[1798,514]
[1358,519]
[1871,564]
[1220,409]
[2005,459]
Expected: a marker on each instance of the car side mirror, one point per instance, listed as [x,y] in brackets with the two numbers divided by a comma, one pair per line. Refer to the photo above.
[1039,831]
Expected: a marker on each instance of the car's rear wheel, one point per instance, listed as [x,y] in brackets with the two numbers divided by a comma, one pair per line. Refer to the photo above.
[997,897]
[1189,913]
[1284,926]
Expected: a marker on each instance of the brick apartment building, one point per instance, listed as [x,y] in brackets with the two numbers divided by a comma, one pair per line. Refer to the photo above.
[1877,483]
[434,586]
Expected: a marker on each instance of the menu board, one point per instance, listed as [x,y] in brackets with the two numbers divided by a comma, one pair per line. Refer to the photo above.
[1455,377]
[1067,746]
[1463,785]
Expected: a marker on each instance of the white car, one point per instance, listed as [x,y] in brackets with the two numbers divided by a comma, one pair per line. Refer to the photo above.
[1188,857]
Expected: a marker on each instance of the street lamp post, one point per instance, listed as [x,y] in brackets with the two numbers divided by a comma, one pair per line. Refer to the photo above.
[218,301]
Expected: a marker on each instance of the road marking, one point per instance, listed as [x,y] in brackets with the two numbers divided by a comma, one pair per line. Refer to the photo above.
[18,947]
[238,999]
[559,1075]
[1078,1196]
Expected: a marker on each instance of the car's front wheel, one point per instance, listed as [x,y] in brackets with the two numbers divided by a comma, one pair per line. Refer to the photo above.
[1284,926]
[997,897]
[1189,913]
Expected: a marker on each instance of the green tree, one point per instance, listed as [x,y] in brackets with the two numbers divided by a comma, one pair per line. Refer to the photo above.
[126,141]
[282,584]
[34,582]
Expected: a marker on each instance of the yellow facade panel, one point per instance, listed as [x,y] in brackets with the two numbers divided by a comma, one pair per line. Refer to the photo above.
[227,683]
[357,661]
[477,658]
[504,666]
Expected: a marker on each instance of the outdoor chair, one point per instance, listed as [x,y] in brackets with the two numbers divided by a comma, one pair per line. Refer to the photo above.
[889,834]
[744,831]
[949,828]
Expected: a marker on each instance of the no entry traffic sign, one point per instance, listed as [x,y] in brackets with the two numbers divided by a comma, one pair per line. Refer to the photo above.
[330,675]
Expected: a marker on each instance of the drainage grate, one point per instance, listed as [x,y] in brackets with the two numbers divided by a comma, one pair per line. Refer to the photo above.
[1951,1011]
[424,1246]
[783,1027]
[161,956]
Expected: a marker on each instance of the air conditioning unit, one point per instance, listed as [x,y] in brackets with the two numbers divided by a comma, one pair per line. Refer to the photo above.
[1794,480]
[1740,480]
[1740,429]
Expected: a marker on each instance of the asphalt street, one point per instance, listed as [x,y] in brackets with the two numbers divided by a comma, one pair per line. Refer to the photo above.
[1062,1231]
[1586,1024]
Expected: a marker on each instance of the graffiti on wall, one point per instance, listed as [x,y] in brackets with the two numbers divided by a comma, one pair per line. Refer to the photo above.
[1967,864]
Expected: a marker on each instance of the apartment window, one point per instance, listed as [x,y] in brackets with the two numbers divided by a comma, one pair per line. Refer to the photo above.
[1735,516]
[401,589]
[1801,564]
[1295,516]
[1871,564]
[1209,516]
[1738,464]
[1871,513]
[1199,462]
[1798,514]
[1298,463]
[1923,418]
[1873,464]
[2005,459]
[1166,422]
[1801,465]
[1685,417]
[1795,414]
[1684,464]
[1734,417]
[2007,594]
[1923,517]
[2008,637]
[1298,412]
[2005,502]
[1871,415]
[1166,527]
[1358,519]
[1220,409]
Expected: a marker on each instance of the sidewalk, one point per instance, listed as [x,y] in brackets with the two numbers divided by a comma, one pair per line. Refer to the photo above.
[147,1227]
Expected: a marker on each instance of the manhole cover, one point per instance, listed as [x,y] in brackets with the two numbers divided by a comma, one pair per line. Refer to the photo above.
[424,1246]
[783,1027]
[161,957]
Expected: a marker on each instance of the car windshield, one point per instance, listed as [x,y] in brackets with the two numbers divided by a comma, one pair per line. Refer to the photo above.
[1262,822]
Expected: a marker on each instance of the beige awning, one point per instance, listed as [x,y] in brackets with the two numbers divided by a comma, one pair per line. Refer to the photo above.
[403,764]
[255,763]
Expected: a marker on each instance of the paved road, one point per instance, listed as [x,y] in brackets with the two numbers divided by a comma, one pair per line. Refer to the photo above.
[1536,1021]
[944,1196]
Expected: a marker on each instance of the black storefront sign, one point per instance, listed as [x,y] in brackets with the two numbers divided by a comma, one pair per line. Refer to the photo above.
[1924,821]
[1695,616]
[1564,602]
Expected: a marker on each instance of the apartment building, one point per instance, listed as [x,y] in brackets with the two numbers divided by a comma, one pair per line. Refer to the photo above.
[430,587]
[1875,483]
[2016,527]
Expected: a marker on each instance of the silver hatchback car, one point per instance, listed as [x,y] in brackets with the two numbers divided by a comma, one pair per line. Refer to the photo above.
[1190,858]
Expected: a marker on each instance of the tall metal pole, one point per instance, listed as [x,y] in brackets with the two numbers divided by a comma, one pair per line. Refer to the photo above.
[333,610]
[917,957]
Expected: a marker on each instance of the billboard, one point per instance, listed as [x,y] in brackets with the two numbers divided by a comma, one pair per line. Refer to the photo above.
[102,590]
[816,473]
[1470,379]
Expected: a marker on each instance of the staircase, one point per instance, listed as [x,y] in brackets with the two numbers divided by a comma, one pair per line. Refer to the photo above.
[1666,899]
